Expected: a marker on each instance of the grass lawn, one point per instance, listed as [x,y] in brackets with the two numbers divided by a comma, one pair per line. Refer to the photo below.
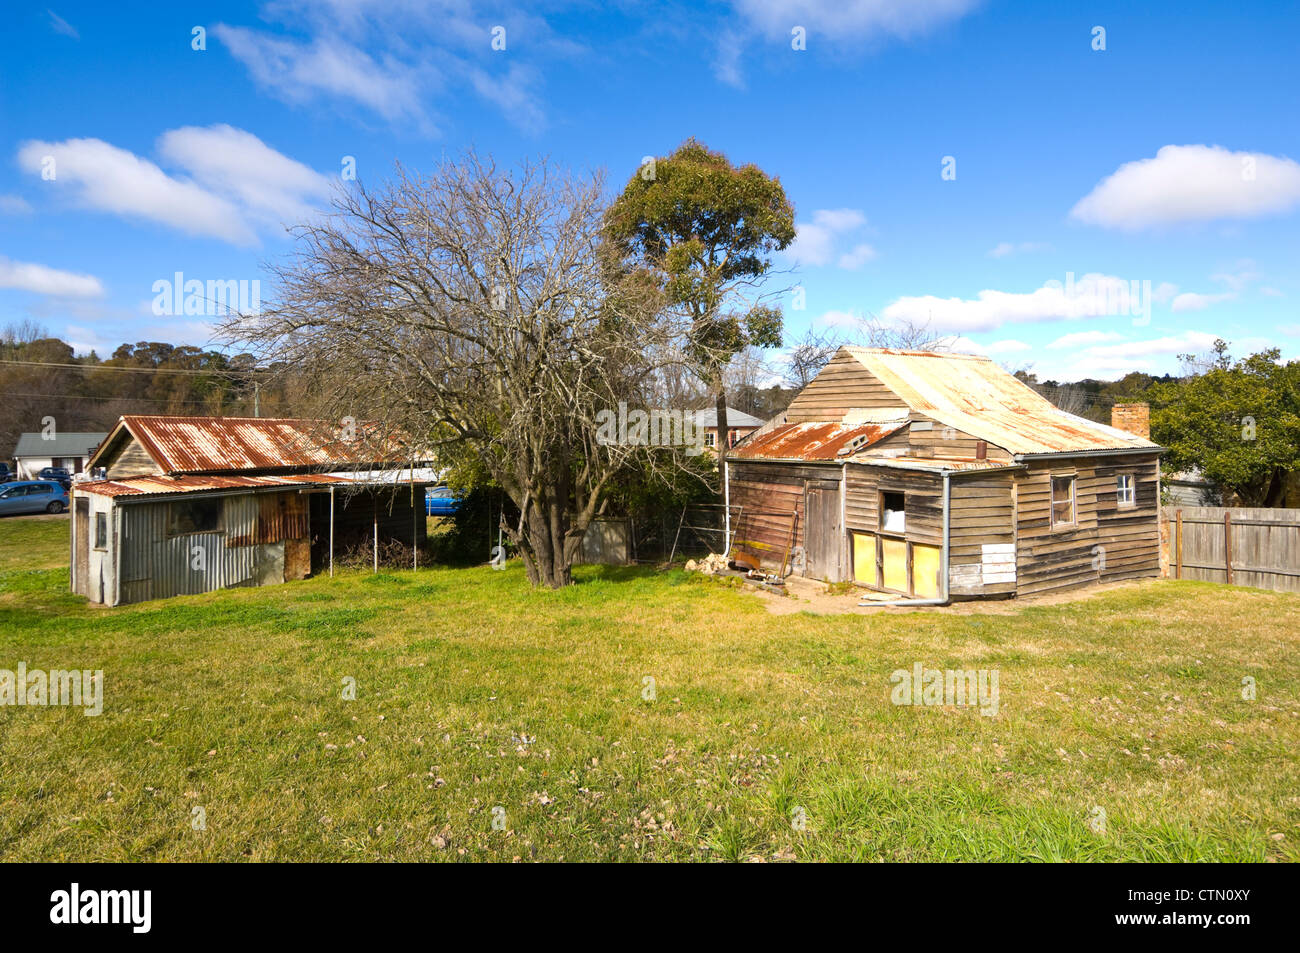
[474,693]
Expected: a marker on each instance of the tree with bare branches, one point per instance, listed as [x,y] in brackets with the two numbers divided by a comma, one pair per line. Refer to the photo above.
[476,310]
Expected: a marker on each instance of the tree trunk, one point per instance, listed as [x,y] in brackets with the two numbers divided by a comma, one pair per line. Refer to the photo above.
[544,543]
[1276,491]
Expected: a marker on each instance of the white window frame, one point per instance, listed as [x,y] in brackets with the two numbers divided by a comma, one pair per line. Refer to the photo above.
[1125,490]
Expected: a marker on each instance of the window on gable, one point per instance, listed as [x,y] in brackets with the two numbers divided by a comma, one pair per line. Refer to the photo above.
[1062,500]
[1125,494]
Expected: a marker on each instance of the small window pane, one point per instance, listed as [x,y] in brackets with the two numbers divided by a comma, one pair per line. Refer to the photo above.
[1124,490]
[1062,500]
[101,531]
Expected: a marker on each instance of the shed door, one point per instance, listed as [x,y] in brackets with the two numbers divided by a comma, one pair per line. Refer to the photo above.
[81,513]
[822,533]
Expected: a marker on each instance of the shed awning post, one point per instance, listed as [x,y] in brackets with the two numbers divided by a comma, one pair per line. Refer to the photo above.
[331,532]
[375,510]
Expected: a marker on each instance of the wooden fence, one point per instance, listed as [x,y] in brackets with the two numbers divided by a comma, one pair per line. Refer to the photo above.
[1240,546]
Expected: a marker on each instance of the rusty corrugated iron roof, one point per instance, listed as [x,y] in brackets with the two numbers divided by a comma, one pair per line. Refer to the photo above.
[975,395]
[813,441]
[221,444]
[159,485]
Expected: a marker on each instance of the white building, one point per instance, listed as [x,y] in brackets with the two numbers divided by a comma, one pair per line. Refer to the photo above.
[35,451]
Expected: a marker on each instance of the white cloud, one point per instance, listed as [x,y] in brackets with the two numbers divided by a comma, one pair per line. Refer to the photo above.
[1244,276]
[60,25]
[1112,360]
[1003,249]
[1191,301]
[964,345]
[1270,292]
[855,259]
[815,241]
[839,319]
[234,181]
[115,180]
[514,94]
[236,163]
[41,279]
[14,205]
[852,19]
[1187,342]
[299,72]
[1092,295]
[1191,184]
[1081,338]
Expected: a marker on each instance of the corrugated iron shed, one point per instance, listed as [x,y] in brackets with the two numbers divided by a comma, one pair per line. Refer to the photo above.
[813,441]
[975,395]
[220,444]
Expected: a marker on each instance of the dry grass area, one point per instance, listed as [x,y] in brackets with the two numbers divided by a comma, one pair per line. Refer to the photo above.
[480,700]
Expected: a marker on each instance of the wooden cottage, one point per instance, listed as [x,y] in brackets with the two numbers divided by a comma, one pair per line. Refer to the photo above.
[183,505]
[941,476]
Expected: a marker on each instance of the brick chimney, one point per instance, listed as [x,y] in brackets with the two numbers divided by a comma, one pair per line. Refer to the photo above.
[1133,418]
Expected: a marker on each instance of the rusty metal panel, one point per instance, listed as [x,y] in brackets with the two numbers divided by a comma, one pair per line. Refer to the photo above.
[215,444]
[814,441]
[158,485]
[976,396]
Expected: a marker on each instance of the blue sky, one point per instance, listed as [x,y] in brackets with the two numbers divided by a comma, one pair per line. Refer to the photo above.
[1164,165]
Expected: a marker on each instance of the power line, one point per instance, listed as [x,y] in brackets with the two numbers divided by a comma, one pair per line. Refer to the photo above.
[138,370]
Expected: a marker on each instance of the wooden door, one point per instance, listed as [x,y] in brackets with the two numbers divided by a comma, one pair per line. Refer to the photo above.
[925,570]
[81,513]
[822,532]
[893,564]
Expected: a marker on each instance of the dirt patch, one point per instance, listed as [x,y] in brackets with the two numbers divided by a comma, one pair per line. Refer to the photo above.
[807,595]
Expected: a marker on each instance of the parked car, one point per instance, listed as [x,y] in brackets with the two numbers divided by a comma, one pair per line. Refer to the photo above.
[59,475]
[441,501]
[32,496]
[5,475]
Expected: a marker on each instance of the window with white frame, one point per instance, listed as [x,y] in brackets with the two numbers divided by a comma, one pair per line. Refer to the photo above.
[1062,501]
[1125,494]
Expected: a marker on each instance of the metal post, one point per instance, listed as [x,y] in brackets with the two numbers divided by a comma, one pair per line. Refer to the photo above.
[374,509]
[331,532]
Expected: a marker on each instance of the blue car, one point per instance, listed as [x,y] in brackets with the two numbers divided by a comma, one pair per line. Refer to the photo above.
[32,496]
[440,501]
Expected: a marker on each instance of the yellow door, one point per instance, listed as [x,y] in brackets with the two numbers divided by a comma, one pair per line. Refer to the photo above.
[893,564]
[925,570]
[864,558]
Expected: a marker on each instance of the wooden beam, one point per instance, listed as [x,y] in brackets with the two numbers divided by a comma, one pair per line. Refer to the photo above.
[1179,574]
[1227,543]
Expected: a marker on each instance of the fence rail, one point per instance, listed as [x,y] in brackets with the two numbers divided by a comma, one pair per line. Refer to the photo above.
[1238,545]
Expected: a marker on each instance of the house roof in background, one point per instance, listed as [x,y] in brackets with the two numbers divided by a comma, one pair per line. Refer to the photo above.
[975,395]
[60,445]
[820,441]
[735,418]
[222,444]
